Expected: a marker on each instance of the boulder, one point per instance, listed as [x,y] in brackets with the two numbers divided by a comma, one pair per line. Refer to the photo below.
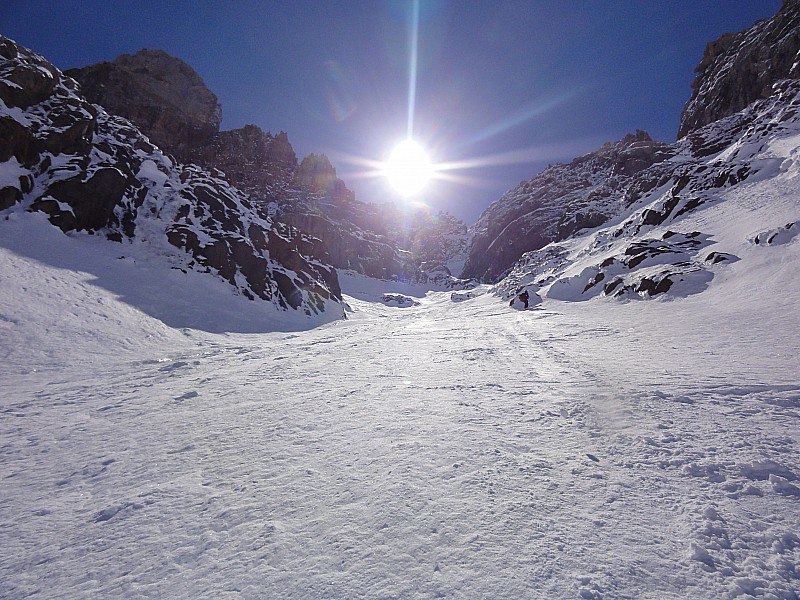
[24,83]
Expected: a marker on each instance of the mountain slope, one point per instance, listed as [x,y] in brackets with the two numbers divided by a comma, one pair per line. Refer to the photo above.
[169,102]
[455,448]
[95,173]
[560,201]
[723,203]
[451,449]
[735,71]
[160,94]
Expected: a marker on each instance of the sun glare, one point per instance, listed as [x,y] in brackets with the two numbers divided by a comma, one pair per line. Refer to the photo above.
[408,168]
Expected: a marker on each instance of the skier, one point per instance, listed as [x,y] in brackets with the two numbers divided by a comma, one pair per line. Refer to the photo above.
[524,298]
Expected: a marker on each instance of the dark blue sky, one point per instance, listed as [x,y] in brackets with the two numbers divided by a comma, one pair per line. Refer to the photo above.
[527,82]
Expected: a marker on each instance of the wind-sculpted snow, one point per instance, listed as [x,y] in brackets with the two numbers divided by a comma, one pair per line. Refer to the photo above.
[778,235]
[448,449]
[95,173]
[432,445]
[677,237]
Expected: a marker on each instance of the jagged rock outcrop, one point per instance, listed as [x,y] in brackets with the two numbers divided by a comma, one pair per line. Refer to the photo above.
[160,94]
[654,247]
[308,196]
[350,234]
[316,176]
[562,200]
[94,172]
[377,240]
[737,173]
[738,69]
[260,164]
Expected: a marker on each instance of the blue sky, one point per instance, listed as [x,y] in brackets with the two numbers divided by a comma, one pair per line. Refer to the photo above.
[505,86]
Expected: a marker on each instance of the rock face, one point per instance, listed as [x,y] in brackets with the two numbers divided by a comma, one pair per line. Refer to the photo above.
[90,171]
[168,101]
[657,245]
[741,128]
[740,68]
[258,163]
[735,71]
[375,240]
[160,94]
[379,241]
[560,201]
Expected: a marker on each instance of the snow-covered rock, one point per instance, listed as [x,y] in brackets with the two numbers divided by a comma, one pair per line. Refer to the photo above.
[399,300]
[462,296]
[96,173]
[168,101]
[675,238]
[667,228]
[719,136]
[562,200]
[159,93]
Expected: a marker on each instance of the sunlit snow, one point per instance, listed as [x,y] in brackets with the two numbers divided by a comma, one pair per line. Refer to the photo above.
[454,448]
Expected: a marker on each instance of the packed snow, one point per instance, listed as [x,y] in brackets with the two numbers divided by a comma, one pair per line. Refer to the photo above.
[161,436]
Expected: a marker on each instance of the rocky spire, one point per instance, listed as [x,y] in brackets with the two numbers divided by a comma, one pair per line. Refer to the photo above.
[738,69]
[160,94]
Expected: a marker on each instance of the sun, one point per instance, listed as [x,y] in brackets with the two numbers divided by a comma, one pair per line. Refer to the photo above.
[408,168]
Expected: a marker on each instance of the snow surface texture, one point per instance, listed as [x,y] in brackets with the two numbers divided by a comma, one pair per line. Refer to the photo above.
[452,449]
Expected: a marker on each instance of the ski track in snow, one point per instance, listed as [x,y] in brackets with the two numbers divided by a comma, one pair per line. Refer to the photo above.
[448,450]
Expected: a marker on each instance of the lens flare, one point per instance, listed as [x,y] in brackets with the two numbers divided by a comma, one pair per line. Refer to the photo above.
[408,168]
[412,66]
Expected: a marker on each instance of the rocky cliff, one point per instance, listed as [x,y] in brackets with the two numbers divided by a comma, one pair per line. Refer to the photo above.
[96,173]
[168,101]
[258,163]
[160,94]
[564,199]
[728,185]
[738,69]
[560,201]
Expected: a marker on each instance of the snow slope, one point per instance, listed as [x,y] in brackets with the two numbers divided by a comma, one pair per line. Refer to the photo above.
[728,194]
[590,449]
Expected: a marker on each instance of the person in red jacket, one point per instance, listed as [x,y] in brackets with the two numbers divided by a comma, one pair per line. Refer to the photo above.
[524,297]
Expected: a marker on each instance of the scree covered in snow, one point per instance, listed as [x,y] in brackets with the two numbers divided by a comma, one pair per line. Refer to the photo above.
[455,449]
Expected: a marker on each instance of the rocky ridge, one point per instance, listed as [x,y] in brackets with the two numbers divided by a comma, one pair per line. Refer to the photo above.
[258,163]
[162,95]
[658,245]
[738,69]
[352,234]
[561,201]
[96,173]
[662,241]
[568,199]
